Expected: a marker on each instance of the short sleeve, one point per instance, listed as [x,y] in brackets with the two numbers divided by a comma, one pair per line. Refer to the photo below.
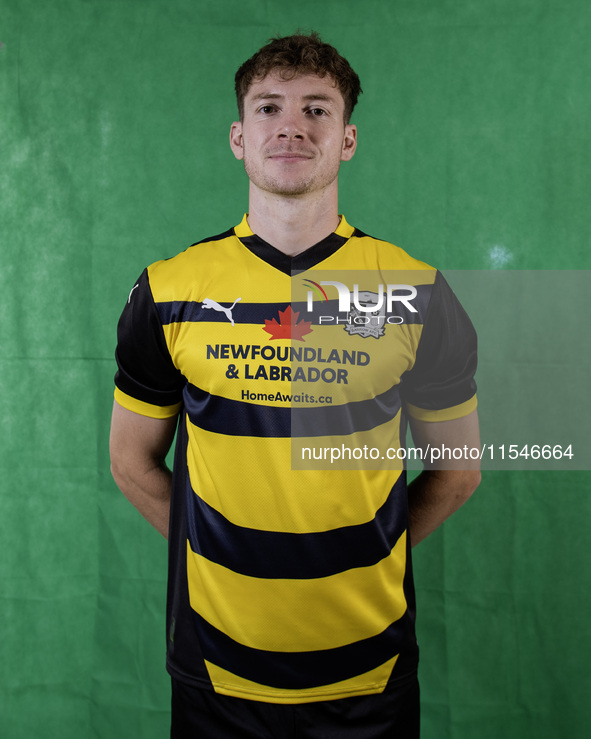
[147,381]
[440,386]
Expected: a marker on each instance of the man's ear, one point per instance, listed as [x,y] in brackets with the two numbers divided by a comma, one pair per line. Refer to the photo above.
[349,142]
[236,143]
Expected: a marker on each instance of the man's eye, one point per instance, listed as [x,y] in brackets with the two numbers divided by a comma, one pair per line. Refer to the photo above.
[317,112]
[267,109]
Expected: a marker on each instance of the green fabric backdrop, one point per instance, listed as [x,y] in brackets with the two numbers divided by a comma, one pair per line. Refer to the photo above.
[474,153]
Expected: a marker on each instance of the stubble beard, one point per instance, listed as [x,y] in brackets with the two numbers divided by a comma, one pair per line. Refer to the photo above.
[290,188]
[276,186]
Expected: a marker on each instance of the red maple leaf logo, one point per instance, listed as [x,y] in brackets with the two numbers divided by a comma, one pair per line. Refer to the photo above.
[288,327]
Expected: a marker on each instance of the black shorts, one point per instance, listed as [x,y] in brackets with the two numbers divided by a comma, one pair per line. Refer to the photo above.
[202,714]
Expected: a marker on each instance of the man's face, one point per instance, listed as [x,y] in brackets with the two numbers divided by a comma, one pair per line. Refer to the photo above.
[293,137]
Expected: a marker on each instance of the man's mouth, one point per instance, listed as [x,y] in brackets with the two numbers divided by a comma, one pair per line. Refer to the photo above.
[289,155]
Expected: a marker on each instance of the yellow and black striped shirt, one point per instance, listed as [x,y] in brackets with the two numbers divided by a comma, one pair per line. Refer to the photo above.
[290,579]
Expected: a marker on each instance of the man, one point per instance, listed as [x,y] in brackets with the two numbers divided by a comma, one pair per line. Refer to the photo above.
[290,603]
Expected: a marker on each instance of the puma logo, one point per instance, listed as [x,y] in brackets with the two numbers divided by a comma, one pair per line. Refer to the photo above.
[209,303]
[130,293]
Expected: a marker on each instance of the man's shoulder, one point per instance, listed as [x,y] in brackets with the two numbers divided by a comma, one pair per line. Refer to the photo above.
[191,262]
[389,255]
[197,250]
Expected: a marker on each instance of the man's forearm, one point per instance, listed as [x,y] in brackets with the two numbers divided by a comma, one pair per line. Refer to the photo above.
[434,495]
[149,493]
[138,447]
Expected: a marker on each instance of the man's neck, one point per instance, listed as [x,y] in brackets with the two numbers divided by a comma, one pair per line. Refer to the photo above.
[292,225]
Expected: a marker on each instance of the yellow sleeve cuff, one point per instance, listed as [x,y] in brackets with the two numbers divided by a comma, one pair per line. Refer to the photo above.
[146,409]
[445,414]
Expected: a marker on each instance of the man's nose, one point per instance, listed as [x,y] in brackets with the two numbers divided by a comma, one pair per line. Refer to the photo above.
[291,127]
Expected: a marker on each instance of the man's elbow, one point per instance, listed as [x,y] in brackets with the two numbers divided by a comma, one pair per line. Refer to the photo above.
[119,473]
[459,484]
[123,469]
[469,481]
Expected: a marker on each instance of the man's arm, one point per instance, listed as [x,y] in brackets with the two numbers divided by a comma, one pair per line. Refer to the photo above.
[443,486]
[138,447]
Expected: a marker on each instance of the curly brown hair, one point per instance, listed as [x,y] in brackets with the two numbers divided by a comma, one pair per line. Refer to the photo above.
[295,55]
